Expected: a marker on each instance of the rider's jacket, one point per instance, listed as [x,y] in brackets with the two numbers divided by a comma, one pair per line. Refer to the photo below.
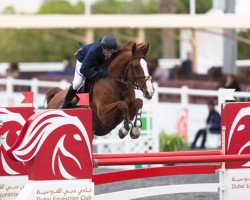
[214,121]
[91,56]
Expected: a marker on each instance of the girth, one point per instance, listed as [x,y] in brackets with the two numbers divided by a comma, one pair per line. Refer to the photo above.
[98,127]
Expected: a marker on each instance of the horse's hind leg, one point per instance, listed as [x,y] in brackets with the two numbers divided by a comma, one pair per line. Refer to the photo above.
[136,109]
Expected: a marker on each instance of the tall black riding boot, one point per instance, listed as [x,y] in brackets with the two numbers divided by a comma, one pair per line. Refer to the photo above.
[69,96]
[203,142]
[197,136]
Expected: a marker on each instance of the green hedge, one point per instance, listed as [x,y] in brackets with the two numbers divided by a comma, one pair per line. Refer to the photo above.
[172,142]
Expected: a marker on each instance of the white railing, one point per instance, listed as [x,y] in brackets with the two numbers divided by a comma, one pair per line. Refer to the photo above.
[10,97]
[184,92]
[33,83]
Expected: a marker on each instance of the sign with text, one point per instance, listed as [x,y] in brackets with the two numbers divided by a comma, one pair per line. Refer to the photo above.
[11,186]
[51,190]
[237,183]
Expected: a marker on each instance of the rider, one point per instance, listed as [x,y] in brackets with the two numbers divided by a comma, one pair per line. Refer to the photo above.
[89,57]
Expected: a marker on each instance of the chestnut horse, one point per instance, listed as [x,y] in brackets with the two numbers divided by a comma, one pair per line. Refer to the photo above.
[113,99]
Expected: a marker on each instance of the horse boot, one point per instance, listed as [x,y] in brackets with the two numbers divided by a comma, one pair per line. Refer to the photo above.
[69,96]
[125,129]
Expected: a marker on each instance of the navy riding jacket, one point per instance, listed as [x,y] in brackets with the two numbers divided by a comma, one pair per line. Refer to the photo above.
[91,56]
[214,121]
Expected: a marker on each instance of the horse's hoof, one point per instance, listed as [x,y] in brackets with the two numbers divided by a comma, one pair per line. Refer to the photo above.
[135,133]
[122,133]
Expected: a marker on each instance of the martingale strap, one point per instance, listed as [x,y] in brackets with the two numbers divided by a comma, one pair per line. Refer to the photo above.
[109,85]
[123,93]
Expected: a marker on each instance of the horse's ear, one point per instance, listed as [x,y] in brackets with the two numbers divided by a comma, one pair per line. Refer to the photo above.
[146,49]
[133,49]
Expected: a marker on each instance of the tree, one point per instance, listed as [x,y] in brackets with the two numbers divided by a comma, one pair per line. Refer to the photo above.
[51,45]
[61,7]
[9,10]
[130,7]
[243,48]
[41,45]
[202,6]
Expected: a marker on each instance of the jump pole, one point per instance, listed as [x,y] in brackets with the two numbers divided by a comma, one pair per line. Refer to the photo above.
[160,154]
[168,160]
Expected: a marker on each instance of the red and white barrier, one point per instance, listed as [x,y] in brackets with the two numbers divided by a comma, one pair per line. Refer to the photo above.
[235,129]
[56,147]
[13,175]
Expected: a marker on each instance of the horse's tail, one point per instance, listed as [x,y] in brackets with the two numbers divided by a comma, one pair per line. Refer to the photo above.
[51,93]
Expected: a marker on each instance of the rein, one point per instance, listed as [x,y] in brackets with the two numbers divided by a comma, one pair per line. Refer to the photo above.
[127,84]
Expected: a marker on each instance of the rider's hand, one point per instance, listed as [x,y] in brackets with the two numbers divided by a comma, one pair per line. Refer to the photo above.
[104,73]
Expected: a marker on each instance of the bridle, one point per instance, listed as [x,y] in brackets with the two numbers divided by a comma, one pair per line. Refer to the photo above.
[124,80]
[132,66]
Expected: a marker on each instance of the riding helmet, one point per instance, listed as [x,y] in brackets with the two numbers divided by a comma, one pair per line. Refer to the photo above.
[109,42]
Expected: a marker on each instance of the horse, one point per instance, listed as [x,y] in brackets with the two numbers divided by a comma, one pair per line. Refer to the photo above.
[113,99]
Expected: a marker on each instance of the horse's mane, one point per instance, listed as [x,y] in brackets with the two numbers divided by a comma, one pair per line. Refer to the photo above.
[128,46]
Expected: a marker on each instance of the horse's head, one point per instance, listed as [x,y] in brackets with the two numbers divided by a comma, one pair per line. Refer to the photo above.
[138,69]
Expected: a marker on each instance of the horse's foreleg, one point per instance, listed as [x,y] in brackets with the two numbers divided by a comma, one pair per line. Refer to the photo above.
[134,107]
[124,130]
[135,112]
[113,113]
[123,107]
[135,131]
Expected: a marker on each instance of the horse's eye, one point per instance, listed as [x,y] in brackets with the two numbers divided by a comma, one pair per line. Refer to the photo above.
[137,68]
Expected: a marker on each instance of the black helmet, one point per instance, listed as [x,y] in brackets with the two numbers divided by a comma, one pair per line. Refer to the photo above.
[109,43]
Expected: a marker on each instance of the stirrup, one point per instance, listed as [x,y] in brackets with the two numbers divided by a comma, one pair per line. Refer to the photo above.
[61,106]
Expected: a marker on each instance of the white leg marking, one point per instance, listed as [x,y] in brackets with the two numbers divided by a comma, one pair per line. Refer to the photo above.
[149,84]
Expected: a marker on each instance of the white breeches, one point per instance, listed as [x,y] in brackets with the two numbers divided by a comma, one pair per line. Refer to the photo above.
[78,77]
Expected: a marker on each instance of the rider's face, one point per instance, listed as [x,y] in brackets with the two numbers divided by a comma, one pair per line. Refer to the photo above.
[107,53]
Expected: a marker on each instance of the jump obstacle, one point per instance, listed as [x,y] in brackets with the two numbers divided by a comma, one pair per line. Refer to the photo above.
[56,147]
